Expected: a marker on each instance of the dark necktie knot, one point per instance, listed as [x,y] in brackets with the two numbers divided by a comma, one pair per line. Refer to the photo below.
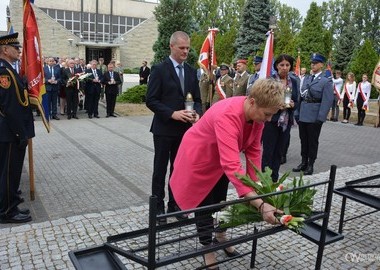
[312,78]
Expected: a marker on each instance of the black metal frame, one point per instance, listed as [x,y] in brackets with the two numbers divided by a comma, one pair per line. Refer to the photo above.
[351,191]
[152,241]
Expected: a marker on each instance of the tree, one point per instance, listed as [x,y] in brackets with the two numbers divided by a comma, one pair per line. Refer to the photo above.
[367,16]
[364,61]
[254,25]
[311,38]
[172,15]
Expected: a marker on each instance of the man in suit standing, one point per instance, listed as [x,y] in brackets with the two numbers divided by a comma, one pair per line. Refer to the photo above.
[169,84]
[316,98]
[71,90]
[144,73]
[52,84]
[111,80]
[93,88]
[241,78]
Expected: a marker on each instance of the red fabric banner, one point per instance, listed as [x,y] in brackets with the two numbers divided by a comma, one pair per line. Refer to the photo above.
[207,56]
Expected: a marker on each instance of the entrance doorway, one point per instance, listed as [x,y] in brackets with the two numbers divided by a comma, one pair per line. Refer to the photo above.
[96,53]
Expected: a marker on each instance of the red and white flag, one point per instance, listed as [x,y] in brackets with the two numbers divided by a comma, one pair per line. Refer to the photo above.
[267,64]
[207,56]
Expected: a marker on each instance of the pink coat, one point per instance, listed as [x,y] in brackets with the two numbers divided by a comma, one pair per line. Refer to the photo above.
[212,147]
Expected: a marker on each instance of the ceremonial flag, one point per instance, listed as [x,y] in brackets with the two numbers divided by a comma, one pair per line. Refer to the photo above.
[297,69]
[267,64]
[376,76]
[31,64]
[207,56]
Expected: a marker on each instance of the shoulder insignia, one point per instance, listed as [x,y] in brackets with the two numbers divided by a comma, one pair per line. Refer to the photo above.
[5,81]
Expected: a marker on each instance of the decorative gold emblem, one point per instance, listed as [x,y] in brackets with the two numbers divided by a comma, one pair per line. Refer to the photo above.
[5,81]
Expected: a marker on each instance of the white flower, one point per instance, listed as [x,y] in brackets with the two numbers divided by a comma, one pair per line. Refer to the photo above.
[221,216]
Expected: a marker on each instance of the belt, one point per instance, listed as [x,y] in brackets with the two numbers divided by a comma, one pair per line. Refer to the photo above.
[312,100]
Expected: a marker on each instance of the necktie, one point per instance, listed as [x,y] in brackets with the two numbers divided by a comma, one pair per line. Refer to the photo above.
[71,70]
[51,71]
[180,76]
[111,75]
[312,78]
[94,72]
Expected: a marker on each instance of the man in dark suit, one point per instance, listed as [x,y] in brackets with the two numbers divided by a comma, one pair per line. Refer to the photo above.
[16,127]
[71,90]
[93,89]
[111,80]
[316,98]
[170,82]
[144,73]
[52,74]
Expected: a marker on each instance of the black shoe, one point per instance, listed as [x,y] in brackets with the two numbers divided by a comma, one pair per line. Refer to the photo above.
[309,170]
[19,192]
[283,160]
[178,216]
[113,115]
[55,117]
[24,211]
[75,117]
[69,117]
[90,116]
[107,115]
[357,124]
[161,221]
[96,116]
[300,167]
[18,218]
[229,254]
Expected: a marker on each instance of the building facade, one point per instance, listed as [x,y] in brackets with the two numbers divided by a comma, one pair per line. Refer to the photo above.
[121,30]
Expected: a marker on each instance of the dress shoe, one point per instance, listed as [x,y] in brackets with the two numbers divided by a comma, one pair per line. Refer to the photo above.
[96,116]
[229,254]
[55,117]
[90,116]
[108,115]
[113,115]
[24,211]
[19,192]
[178,216]
[75,116]
[309,170]
[283,160]
[300,167]
[69,117]
[18,218]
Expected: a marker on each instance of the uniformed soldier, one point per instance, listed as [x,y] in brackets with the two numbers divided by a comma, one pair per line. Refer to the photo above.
[253,77]
[241,78]
[316,98]
[16,127]
[204,87]
[224,85]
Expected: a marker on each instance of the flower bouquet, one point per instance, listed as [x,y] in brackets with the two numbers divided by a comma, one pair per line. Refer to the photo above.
[296,204]
[77,79]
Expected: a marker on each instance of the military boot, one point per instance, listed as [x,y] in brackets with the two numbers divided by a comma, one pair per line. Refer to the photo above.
[310,168]
[302,166]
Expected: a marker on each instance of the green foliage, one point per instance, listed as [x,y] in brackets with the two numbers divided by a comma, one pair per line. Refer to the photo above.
[311,37]
[135,70]
[172,16]
[253,27]
[134,94]
[364,61]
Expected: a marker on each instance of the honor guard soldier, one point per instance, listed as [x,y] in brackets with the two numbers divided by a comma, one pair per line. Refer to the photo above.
[316,98]
[241,78]
[16,125]
[224,85]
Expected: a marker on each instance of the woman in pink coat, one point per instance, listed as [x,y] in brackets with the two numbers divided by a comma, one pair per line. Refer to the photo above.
[209,155]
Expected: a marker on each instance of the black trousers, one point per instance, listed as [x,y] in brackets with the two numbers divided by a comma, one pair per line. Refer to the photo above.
[11,162]
[111,101]
[274,145]
[165,150]
[205,221]
[72,101]
[335,108]
[361,111]
[346,108]
[93,101]
[309,135]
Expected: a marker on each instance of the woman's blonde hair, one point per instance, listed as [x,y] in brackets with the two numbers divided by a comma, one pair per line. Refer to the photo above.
[267,93]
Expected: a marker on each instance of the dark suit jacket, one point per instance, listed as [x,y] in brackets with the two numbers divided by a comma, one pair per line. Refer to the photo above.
[66,75]
[144,74]
[111,88]
[48,75]
[91,86]
[164,96]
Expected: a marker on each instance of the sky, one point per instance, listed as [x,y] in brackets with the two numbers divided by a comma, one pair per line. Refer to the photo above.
[301,5]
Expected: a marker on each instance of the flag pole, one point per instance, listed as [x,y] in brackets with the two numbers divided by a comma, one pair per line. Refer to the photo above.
[31,169]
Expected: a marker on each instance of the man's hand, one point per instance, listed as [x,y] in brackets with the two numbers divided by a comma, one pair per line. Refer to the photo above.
[185,116]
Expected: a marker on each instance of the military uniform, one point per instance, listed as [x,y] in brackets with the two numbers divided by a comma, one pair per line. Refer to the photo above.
[316,98]
[240,84]
[16,125]
[204,86]
[226,84]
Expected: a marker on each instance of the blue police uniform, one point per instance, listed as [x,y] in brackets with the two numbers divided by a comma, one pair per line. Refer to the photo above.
[16,126]
[316,98]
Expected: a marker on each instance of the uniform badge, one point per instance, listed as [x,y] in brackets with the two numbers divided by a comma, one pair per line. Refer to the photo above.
[5,81]
[222,84]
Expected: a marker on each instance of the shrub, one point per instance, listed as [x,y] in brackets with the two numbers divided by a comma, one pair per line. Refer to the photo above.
[131,70]
[134,94]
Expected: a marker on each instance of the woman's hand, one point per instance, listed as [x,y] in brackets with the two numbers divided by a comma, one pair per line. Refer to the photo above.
[268,212]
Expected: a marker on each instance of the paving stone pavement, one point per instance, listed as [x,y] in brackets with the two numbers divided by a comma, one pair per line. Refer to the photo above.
[93,178]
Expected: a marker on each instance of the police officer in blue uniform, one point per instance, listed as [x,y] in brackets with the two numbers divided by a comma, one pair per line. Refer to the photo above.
[257,60]
[316,98]
[16,127]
